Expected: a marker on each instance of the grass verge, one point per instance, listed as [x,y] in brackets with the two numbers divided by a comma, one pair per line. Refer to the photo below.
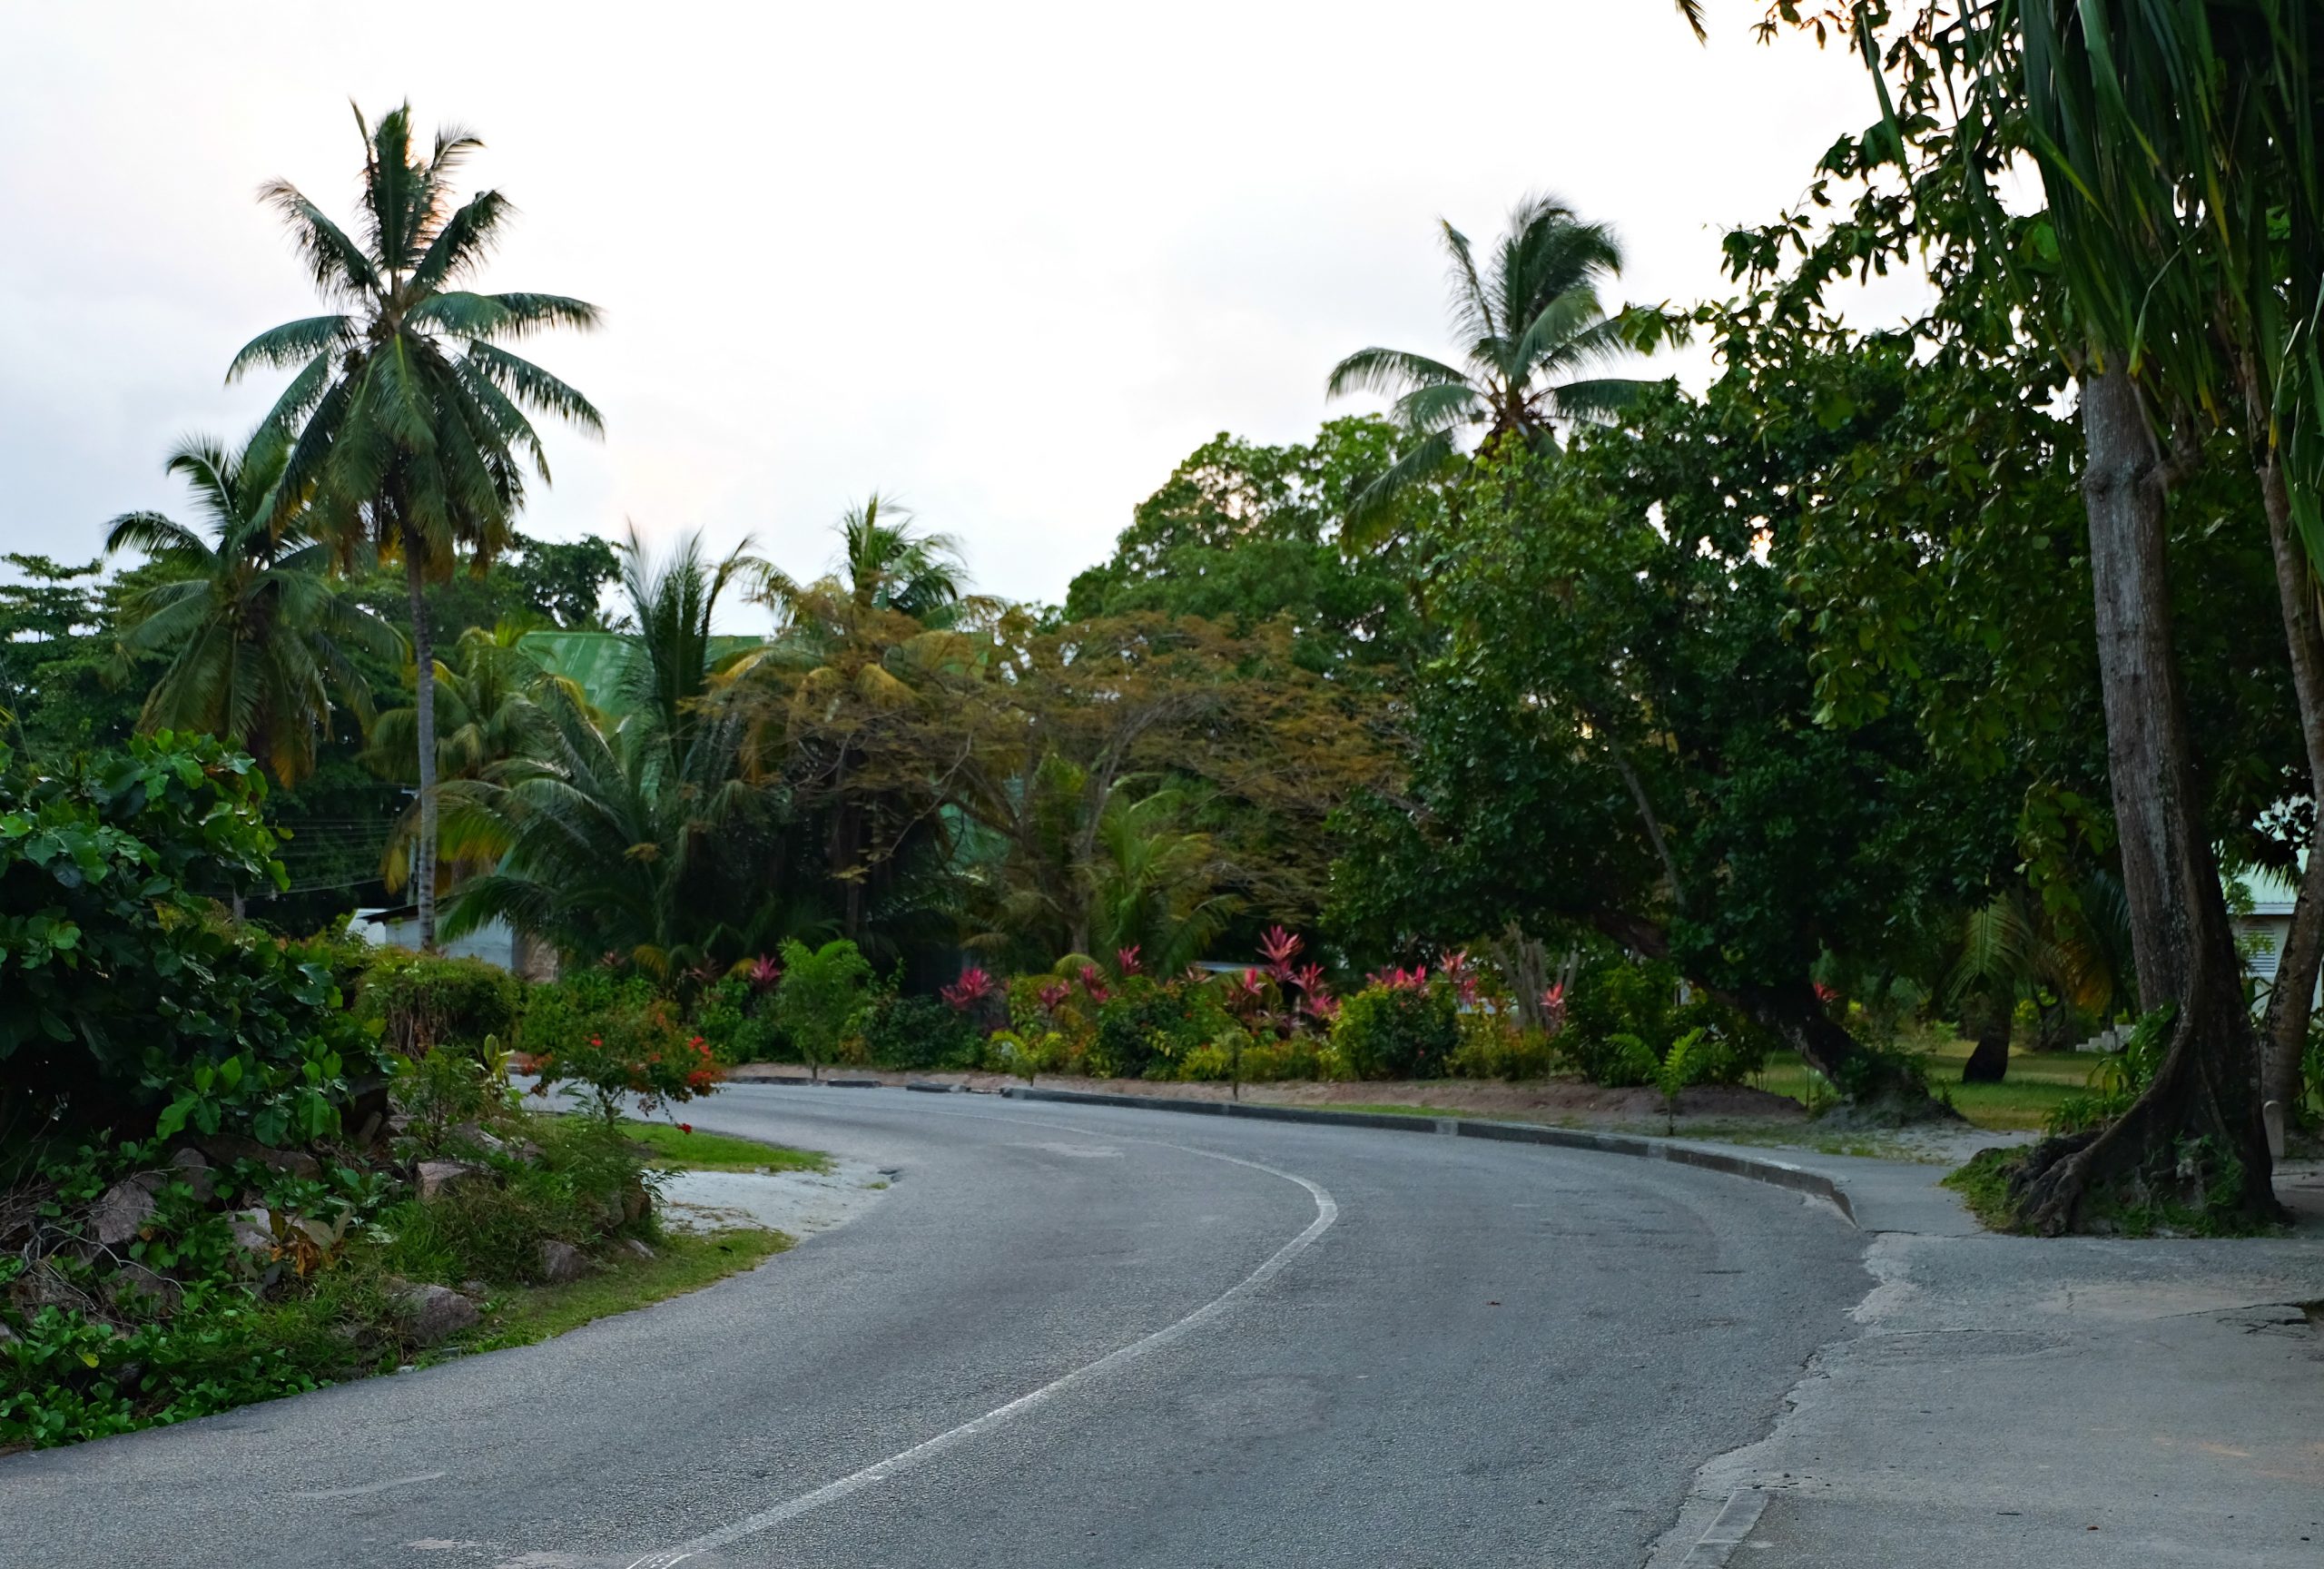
[681,1263]
[1983,1187]
[671,1144]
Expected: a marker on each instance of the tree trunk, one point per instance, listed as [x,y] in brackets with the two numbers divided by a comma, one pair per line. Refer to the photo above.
[2193,1148]
[423,656]
[2292,998]
[1987,1017]
[1876,1088]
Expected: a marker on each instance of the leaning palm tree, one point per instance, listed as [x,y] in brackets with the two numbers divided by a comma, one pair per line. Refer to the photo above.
[411,422]
[257,631]
[1531,324]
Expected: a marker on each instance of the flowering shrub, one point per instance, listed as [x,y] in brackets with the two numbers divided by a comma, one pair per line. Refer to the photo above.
[641,1050]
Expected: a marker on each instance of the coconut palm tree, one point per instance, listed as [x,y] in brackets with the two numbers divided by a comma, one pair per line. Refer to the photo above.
[257,632]
[1531,325]
[884,564]
[488,713]
[671,604]
[412,424]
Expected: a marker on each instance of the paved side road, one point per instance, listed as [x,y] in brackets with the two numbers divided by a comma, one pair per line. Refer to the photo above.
[2011,1404]
[1067,1335]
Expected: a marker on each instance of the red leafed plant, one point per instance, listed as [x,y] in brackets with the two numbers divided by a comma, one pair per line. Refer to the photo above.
[972,988]
[1126,961]
[764,973]
[1279,948]
[1400,979]
[1094,983]
[1053,995]
[1553,1007]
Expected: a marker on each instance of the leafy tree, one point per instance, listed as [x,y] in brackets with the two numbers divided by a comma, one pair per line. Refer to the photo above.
[404,442]
[1242,534]
[1530,323]
[564,580]
[823,990]
[128,1001]
[61,686]
[257,632]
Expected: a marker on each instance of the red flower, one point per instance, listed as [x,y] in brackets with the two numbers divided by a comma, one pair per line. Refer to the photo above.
[685,1127]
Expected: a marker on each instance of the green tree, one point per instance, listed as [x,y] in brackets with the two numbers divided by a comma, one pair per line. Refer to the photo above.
[1531,325]
[412,422]
[257,631]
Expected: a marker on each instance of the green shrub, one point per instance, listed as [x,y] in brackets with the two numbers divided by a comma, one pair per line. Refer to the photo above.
[1398,1031]
[575,1006]
[1144,1027]
[1623,1016]
[1234,1056]
[902,1032]
[738,1021]
[126,998]
[822,991]
[424,1000]
[1492,1046]
[639,1049]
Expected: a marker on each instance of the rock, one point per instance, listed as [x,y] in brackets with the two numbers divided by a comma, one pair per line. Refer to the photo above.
[134,1283]
[471,1136]
[480,1289]
[120,1214]
[188,1165]
[561,1263]
[438,1177]
[636,1249]
[430,1313]
[253,1232]
[635,1202]
[225,1149]
[42,1287]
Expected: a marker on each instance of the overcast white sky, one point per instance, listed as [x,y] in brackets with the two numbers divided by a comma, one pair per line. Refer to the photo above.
[1009,262]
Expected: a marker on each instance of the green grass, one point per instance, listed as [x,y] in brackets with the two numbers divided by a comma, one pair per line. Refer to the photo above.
[1983,1187]
[2023,1101]
[671,1146]
[681,1264]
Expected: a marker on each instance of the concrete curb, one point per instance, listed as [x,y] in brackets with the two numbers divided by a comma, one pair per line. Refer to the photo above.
[1779,1173]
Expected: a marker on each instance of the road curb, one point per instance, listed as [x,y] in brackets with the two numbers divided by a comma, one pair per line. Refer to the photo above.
[1778,1173]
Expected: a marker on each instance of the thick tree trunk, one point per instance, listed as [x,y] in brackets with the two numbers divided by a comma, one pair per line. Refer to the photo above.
[1875,1088]
[2193,1144]
[2292,998]
[1987,1019]
[423,655]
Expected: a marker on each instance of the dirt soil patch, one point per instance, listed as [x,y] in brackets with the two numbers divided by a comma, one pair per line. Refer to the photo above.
[1547,1101]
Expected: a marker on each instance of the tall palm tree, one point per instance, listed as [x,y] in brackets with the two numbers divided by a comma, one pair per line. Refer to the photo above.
[1530,325]
[411,422]
[257,631]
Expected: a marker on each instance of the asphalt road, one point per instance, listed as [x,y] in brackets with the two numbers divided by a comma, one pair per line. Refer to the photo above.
[1066,1336]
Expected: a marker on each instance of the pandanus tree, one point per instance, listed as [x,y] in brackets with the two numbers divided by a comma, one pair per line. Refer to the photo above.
[413,423]
[257,632]
[1534,336]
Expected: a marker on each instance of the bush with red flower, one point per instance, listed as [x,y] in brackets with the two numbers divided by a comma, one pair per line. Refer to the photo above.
[639,1049]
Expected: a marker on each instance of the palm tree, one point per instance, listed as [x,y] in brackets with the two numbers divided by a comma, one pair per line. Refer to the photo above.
[488,712]
[1528,328]
[671,604]
[257,632]
[883,564]
[410,420]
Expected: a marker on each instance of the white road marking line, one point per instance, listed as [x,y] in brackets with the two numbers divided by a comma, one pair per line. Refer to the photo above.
[371,1486]
[1327,1210]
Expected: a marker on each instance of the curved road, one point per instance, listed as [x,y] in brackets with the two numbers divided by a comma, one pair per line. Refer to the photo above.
[1068,1335]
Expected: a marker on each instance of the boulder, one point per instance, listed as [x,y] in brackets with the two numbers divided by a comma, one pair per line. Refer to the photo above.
[133,1284]
[188,1165]
[473,1136]
[427,1313]
[120,1214]
[635,1202]
[438,1177]
[42,1286]
[225,1149]
[561,1263]
[253,1232]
